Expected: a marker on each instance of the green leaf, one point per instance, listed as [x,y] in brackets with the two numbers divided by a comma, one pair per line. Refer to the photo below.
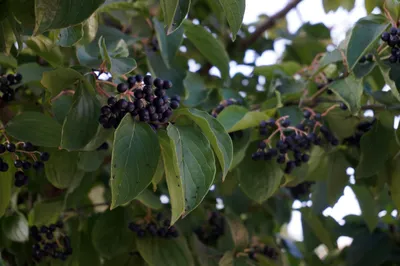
[90,161]
[112,227]
[235,118]
[369,208]
[117,65]
[390,76]
[61,107]
[60,79]
[8,61]
[7,37]
[238,231]
[62,170]
[45,48]
[81,123]
[182,11]
[374,150]
[169,45]
[350,91]
[35,127]
[90,28]
[234,11]
[45,213]
[70,36]
[394,182]
[174,182]
[159,174]
[258,180]
[289,68]
[240,145]
[337,178]
[317,227]
[196,90]
[169,252]
[196,162]
[215,133]
[134,160]
[150,200]
[15,228]
[209,46]
[6,184]
[176,74]
[169,8]
[365,35]
[57,14]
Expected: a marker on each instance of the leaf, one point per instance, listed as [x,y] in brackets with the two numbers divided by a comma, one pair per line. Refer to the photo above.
[134,160]
[169,45]
[7,36]
[235,118]
[176,74]
[159,174]
[258,180]
[150,200]
[289,68]
[90,28]
[181,12]
[15,228]
[56,14]
[174,182]
[6,184]
[391,79]
[90,161]
[81,123]
[350,91]
[70,36]
[394,182]
[369,208]
[55,81]
[45,213]
[369,249]
[112,227]
[234,11]
[61,107]
[240,145]
[196,162]
[228,259]
[62,170]
[8,61]
[337,178]
[215,133]
[317,227]
[35,127]
[169,252]
[169,8]
[238,231]
[209,46]
[45,48]
[364,36]
[117,65]
[374,148]
[196,90]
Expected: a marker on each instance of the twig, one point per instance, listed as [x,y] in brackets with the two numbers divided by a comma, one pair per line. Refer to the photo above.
[268,24]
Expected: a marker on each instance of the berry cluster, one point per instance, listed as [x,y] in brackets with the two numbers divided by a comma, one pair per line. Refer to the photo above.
[212,230]
[50,241]
[225,103]
[156,228]
[362,128]
[139,98]
[7,93]
[25,159]
[294,141]
[301,190]
[266,251]
[393,40]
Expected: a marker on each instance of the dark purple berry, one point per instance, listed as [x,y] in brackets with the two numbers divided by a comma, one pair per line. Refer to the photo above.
[27,146]
[343,106]
[105,110]
[159,92]
[122,87]
[18,163]
[2,149]
[122,104]
[393,59]
[139,78]
[139,94]
[174,104]
[147,90]
[285,123]
[111,100]
[176,98]
[158,83]
[393,31]
[44,156]
[26,165]
[38,165]
[148,80]
[11,147]
[362,60]
[262,145]
[167,84]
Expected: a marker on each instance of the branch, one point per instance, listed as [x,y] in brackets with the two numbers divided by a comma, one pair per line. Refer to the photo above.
[268,24]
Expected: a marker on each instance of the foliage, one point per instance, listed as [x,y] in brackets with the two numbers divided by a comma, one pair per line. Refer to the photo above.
[90,141]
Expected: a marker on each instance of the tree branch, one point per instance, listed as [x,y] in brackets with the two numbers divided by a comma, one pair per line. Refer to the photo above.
[268,24]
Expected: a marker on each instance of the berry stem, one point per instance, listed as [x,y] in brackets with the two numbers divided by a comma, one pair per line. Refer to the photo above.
[66,92]
[106,82]
[330,109]
[387,14]
[101,91]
